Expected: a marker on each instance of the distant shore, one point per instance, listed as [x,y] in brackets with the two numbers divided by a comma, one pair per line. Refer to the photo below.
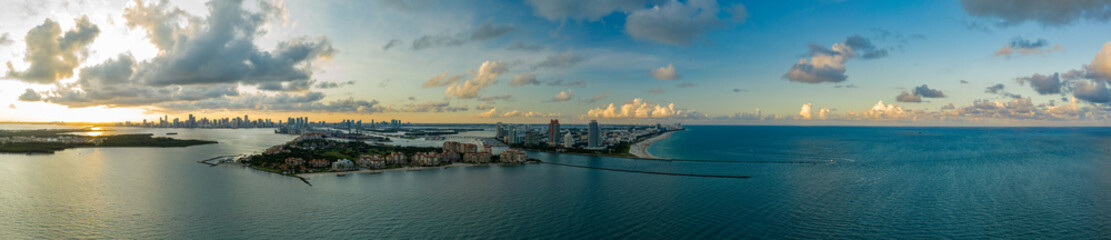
[640,149]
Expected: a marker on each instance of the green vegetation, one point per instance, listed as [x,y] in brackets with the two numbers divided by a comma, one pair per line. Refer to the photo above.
[327,150]
[147,140]
[36,141]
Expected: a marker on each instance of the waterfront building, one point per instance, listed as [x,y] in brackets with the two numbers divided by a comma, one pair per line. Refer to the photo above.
[568,140]
[594,136]
[293,162]
[343,165]
[319,163]
[513,156]
[397,159]
[553,133]
[477,157]
[372,162]
[451,156]
[532,138]
[427,159]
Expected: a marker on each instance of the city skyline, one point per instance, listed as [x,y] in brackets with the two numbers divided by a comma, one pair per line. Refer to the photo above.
[816,62]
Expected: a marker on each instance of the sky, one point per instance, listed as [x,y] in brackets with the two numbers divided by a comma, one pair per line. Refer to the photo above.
[805,62]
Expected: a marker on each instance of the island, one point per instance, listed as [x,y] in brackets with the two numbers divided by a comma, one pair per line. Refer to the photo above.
[47,141]
[313,152]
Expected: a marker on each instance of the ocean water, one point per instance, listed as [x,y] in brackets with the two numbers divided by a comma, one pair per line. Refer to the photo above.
[882,183]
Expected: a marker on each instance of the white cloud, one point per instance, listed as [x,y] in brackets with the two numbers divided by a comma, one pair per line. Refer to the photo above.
[828,65]
[524,79]
[563,96]
[639,108]
[486,75]
[665,73]
[804,112]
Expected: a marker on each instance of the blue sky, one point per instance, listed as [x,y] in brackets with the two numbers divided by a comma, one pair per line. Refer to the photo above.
[696,61]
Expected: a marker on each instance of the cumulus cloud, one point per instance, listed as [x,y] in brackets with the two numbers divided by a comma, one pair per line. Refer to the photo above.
[994,88]
[202,61]
[30,96]
[639,108]
[665,73]
[524,79]
[1024,47]
[828,65]
[1092,91]
[563,96]
[483,107]
[486,75]
[52,54]
[494,113]
[907,97]
[1101,64]
[1046,13]
[1043,84]
[485,31]
[804,112]
[679,23]
[916,95]
[441,80]
[927,92]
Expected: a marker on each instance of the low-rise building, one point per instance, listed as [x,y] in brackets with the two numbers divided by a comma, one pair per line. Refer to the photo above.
[319,163]
[293,162]
[426,159]
[343,165]
[477,157]
[372,162]
[451,156]
[397,159]
[513,156]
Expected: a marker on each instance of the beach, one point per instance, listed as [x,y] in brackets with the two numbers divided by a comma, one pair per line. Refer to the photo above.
[453,165]
[640,149]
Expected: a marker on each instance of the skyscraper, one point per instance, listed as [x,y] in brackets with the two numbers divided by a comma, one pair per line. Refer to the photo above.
[553,133]
[594,138]
[500,132]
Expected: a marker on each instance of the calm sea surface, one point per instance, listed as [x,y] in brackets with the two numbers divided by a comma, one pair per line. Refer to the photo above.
[881,183]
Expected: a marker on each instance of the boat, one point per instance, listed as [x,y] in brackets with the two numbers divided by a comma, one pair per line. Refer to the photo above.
[172,133]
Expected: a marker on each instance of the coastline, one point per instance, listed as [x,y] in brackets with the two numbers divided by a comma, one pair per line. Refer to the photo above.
[453,165]
[640,149]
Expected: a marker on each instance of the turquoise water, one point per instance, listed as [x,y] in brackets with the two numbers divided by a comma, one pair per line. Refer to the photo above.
[883,183]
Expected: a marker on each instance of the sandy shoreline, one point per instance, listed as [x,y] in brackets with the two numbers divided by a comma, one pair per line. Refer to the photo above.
[453,165]
[640,149]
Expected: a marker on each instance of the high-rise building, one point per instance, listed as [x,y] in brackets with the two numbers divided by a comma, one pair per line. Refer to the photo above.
[553,133]
[568,140]
[594,138]
[500,132]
